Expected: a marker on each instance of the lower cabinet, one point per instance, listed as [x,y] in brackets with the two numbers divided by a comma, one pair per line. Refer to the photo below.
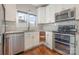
[49,40]
[31,40]
[14,43]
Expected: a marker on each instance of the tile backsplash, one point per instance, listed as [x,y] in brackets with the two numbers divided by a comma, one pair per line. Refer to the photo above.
[10,25]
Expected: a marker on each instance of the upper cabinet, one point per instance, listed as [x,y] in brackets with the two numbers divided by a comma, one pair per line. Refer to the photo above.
[77,11]
[41,12]
[47,14]
[10,12]
[50,11]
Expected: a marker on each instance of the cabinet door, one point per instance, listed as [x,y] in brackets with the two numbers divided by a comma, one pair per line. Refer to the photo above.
[31,38]
[20,41]
[41,11]
[16,43]
[36,38]
[77,11]
[12,44]
[51,10]
[27,41]
[49,40]
[50,13]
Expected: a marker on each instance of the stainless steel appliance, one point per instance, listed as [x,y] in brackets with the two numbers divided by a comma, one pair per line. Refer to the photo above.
[65,34]
[67,29]
[68,14]
[65,39]
[65,43]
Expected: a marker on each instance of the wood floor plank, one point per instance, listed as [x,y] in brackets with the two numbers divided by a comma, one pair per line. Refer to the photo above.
[41,50]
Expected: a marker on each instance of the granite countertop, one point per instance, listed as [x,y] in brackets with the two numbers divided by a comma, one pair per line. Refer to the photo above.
[12,32]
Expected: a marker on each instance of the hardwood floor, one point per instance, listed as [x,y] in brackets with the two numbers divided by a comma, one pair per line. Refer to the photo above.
[40,50]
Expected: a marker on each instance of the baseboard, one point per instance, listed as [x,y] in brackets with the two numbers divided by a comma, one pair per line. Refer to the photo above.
[58,52]
[52,49]
[19,53]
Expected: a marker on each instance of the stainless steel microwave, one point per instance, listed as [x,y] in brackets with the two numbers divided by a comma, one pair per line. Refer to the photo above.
[68,14]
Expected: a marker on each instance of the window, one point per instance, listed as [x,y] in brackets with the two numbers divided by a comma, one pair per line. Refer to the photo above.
[26,19]
[32,19]
[21,17]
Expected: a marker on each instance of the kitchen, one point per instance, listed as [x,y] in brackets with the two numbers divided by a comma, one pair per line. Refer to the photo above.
[26,27]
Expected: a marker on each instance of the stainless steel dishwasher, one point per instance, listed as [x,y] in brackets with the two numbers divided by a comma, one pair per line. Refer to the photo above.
[14,43]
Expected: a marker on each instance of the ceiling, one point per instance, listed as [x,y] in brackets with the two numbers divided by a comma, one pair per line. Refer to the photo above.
[39,5]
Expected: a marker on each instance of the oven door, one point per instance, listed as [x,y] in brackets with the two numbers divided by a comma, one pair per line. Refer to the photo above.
[65,43]
[62,38]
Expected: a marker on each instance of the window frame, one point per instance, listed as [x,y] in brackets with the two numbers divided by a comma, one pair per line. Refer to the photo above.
[28,21]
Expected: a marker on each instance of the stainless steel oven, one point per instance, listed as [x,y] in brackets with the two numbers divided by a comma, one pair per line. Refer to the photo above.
[65,39]
[62,37]
[65,43]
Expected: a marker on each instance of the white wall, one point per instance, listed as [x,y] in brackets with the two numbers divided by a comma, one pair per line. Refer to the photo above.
[10,10]
[1,19]
[10,17]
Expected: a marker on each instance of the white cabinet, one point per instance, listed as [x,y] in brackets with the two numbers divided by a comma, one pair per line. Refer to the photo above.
[10,10]
[31,40]
[49,40]
[14,43]
[47,14]
[77,11]
[51,10]
[19,42]
[36,38]
[50,13]
[27,41]
[41,12]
